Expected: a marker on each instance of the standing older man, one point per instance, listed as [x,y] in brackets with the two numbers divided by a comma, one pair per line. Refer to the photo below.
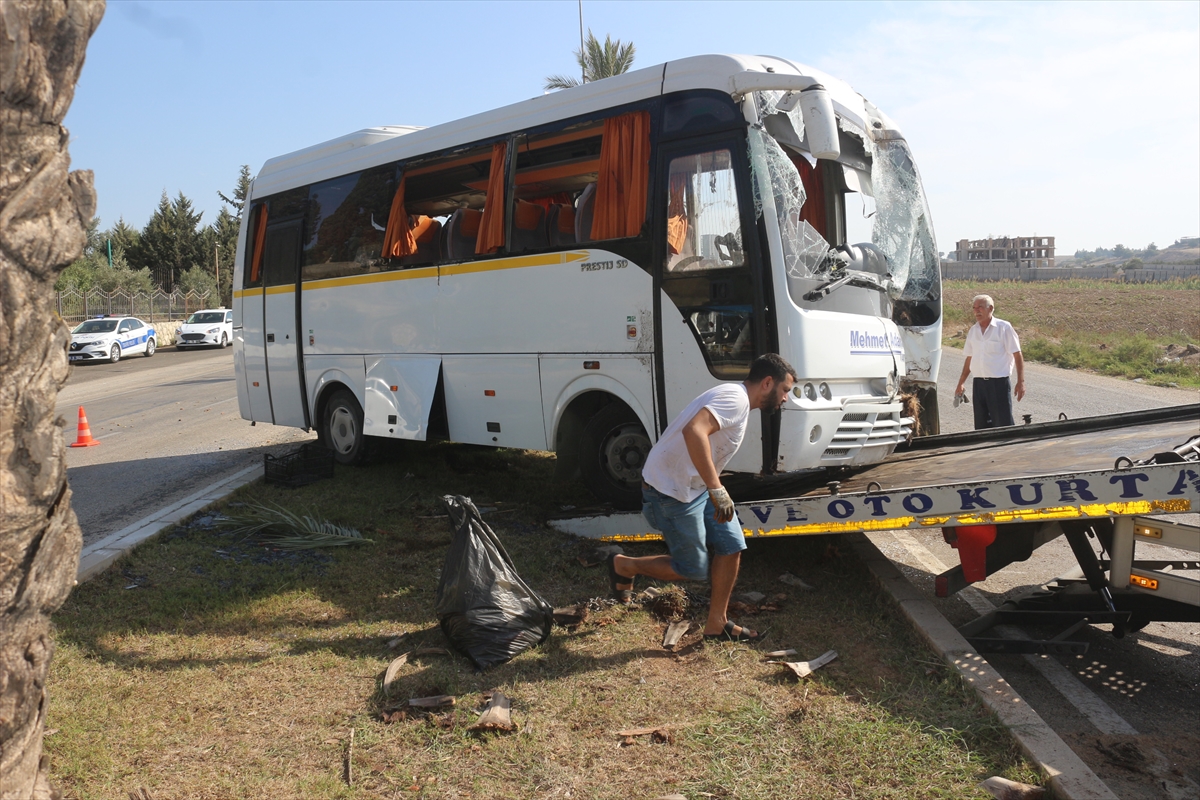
[992,349]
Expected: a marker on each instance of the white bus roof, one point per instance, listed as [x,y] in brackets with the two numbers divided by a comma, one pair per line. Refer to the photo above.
[374,146]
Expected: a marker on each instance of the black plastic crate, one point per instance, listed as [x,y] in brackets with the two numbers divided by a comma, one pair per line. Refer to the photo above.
[310,463]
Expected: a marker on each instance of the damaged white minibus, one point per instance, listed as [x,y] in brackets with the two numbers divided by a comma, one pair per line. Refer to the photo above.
[568,272]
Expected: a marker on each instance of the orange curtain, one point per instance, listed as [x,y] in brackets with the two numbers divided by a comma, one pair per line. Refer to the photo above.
[491,227]
[813,211]
[260,236]
[398,240]
[624,178]
[677,221]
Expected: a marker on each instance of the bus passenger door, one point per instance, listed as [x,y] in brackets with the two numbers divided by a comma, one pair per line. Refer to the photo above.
[281,263]
[249,355]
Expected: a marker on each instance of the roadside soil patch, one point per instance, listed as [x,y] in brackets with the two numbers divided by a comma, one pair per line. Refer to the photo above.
[204,665]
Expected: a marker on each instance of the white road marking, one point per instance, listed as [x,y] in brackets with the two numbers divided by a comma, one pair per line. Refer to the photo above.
[1099,713]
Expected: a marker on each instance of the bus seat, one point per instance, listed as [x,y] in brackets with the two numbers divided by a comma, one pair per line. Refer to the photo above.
[560,224]
[427,231]
[529,227]
[463,231]
[583,213]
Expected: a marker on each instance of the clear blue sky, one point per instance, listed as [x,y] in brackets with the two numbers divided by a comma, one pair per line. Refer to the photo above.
[1075,120]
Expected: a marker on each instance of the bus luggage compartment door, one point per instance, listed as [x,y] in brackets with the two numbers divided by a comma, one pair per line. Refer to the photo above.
[399,396]
[494,400]
[281,261]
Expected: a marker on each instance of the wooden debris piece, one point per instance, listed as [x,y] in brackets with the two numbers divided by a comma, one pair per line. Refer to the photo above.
[670,797]
[571,616]
[600,555]
[779,653]
[1004,789]
[496,716]
[393,671]
[675,632]
[350,760]
[437,701]
[431,651]
[792,580]
[805,668]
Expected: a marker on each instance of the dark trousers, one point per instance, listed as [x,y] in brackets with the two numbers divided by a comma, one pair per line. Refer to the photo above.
[992,403]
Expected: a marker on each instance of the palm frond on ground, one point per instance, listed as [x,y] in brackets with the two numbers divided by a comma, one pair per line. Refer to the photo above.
[596,62]
[287,530]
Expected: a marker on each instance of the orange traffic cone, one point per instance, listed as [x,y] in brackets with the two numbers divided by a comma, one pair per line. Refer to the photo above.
[84,439]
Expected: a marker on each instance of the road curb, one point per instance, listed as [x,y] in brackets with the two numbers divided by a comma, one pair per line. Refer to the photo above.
[1065,772]
[97,556]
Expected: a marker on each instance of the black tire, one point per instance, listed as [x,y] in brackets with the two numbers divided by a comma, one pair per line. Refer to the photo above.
[151,346]
[342,428]
[613,449]
[114,355]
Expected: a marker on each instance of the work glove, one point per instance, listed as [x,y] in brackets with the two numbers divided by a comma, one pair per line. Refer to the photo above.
[722,502]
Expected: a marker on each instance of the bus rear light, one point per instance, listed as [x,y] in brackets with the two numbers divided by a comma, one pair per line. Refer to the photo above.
[489,392]
[394,388]
[591,365]
[1145,583]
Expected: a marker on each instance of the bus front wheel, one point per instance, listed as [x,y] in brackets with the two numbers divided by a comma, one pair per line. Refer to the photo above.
[615,446]
[342,428]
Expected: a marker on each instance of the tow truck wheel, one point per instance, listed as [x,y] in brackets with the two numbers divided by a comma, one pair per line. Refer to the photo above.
[114,355]
[615,447]
[150,347]
[342,428]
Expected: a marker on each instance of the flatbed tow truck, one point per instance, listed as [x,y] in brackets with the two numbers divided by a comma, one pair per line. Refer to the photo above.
[1000,494]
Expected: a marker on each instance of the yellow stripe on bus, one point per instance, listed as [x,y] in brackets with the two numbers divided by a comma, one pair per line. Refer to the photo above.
[516,262]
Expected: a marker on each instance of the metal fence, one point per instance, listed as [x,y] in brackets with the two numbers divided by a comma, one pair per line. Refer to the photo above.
[156,306]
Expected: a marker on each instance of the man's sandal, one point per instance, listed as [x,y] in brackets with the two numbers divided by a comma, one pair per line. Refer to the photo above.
[622,596]
[729,635]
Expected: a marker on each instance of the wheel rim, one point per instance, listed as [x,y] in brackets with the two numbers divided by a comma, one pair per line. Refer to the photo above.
[150,346]
[224,340]
[115,353]
[624,452]
[343,430]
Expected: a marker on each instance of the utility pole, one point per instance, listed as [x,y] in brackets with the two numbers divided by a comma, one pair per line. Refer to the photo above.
[582,54]
[217,267]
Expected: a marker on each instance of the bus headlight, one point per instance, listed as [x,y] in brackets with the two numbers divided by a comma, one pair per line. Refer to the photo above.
[810,391]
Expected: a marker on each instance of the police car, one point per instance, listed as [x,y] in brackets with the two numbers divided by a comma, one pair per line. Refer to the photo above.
[210,327]
[108,337]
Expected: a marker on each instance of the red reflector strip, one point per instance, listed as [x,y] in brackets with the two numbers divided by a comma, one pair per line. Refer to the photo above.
[591,365]
[1145,583]
[489,392]
[394,388]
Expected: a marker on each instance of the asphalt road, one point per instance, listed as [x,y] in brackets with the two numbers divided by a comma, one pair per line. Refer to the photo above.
[167,426]
[1137,698]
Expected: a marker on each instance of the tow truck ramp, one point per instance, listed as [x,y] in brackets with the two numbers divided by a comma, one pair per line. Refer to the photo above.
[997,496]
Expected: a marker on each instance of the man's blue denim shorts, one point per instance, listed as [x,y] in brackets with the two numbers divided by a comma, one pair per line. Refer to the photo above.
[691,530]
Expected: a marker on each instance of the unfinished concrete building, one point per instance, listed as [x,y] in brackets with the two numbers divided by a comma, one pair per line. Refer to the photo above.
[1031,252]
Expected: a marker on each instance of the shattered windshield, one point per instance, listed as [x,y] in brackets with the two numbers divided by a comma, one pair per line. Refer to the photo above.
[880,178]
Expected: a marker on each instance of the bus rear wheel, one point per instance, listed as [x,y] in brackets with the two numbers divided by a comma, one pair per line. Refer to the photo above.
[615,447]
[342,428]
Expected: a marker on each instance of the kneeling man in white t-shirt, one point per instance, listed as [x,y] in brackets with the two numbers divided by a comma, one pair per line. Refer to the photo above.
[682,495]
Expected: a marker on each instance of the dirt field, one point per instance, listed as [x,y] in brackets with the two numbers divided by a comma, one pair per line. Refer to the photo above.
[1164,312]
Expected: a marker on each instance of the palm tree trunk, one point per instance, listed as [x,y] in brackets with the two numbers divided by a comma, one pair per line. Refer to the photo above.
[43,215]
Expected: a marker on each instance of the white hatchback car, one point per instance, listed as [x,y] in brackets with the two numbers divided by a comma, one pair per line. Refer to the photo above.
[208,328]
[107,338]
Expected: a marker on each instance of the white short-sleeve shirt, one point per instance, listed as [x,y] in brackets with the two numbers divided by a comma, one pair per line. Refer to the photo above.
[991,351]
[669,468]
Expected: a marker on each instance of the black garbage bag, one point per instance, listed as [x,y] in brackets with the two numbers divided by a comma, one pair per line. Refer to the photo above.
[486,610]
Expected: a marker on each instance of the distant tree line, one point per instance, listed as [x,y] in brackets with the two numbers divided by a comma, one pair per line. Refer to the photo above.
[173,251]
[1129,253]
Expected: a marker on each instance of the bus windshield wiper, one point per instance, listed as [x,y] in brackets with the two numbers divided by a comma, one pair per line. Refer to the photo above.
[866,280]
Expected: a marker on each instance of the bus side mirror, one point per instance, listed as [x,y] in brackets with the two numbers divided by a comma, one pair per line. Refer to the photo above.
[820,123]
